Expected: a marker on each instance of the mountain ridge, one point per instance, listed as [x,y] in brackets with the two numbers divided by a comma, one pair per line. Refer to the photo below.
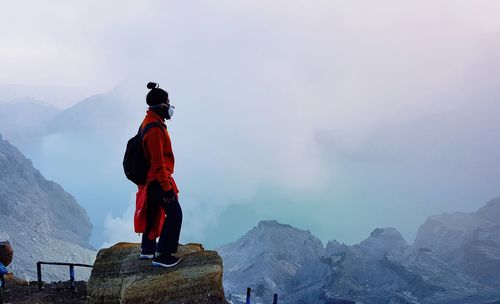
[382,268]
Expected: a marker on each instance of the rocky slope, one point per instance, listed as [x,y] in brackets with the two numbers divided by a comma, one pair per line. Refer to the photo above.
[455,259]
[92,131]
[40,219]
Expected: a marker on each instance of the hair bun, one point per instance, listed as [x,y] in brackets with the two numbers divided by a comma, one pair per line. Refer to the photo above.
[152,85]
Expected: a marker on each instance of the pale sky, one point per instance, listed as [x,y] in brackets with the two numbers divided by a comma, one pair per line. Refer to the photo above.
[96,43]
[325,113]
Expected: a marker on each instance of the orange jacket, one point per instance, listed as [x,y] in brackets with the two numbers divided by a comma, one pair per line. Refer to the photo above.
[158,150]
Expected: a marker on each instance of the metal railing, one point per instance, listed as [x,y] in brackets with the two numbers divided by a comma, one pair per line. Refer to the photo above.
[249,291]
[72,284]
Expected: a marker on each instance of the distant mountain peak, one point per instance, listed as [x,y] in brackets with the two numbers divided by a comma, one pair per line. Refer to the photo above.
[269,256]
[272,224]
[31,101]
[490,211]
[386,232]
[381,241]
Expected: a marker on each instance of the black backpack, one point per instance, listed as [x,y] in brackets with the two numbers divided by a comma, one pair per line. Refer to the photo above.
[135,164]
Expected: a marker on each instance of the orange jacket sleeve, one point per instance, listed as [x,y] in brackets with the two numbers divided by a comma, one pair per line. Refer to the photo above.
[155,140]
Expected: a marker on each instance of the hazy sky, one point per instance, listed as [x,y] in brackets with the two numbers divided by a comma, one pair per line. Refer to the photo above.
[333,116]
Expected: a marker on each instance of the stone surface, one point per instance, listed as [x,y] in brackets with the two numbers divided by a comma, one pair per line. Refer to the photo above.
[119,276]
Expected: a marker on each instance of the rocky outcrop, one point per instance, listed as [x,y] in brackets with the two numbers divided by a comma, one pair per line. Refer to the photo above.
[455,259]
[380,242]
[41,220]
[119,276]
[468,242]
[271,258]
[278,258]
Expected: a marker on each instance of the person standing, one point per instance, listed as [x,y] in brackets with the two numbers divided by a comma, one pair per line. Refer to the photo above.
[158,212]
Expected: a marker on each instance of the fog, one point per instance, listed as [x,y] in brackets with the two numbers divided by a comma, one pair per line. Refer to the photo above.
[332,116]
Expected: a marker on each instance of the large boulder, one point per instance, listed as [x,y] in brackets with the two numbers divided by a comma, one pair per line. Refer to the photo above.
[6,253]
[119,276]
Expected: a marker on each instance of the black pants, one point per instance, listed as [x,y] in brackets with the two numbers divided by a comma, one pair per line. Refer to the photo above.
[171,230]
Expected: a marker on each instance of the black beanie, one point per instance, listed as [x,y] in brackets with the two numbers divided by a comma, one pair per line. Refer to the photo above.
[156,95]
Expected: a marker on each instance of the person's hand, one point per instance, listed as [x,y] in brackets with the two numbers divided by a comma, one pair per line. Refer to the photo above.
[168,197]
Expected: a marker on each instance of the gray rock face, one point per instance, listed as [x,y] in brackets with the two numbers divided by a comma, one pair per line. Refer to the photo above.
[358,273]
[445,234]
[41,220]
[270,258]
[470,242]
[380,242]
[455,259]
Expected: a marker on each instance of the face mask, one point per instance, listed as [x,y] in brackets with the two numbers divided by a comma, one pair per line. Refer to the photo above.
[164,110]
[170,111]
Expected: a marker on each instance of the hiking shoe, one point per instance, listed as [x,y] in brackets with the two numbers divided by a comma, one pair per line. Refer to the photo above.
[165,260]
[146,255]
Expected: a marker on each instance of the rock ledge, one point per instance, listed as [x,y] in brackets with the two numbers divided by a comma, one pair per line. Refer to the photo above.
[119,276]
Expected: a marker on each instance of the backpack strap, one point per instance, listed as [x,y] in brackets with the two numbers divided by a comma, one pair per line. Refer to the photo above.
[149,126]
